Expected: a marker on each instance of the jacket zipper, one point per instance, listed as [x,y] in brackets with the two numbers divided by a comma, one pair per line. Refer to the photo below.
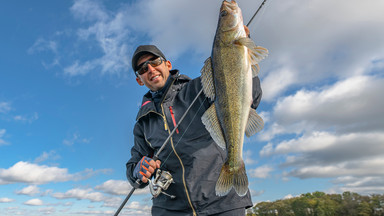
[181,162]
[173,118]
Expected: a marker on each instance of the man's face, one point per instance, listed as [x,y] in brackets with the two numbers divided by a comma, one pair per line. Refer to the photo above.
[156,77]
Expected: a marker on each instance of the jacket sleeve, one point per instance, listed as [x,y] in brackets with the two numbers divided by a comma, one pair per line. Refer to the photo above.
[256,92]
[139,149]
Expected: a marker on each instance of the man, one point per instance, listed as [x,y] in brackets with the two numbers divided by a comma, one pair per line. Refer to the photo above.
[191,156]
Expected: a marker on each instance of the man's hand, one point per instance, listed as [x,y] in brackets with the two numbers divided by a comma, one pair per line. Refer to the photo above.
[145,168]
[247,31]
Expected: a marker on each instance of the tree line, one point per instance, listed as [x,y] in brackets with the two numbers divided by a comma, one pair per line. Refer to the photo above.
[321,204]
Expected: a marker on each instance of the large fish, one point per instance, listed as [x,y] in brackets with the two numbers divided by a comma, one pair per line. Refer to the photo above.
[227,80]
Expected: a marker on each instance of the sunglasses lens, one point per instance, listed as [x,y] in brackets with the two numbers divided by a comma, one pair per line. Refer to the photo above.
[154,63]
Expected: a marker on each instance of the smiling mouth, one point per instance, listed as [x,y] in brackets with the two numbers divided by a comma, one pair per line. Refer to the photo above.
[155,77]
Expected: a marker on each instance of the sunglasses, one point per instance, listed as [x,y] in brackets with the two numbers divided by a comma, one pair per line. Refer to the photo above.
[143,68]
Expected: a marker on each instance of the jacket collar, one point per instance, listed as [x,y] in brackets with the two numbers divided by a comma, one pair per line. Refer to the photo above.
[147,104]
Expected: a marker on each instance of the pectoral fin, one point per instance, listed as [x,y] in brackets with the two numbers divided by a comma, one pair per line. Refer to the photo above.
[255,123]
[207,79]
[212,125]
[256,53]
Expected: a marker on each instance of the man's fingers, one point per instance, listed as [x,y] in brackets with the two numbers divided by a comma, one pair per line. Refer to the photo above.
[144,179]
[151,170]
[158,163]
[152,164]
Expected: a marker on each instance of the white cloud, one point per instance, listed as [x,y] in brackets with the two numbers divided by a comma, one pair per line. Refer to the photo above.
[2,141]
[46,156]
[118,187]
[6,200]
[345,106]
[43,45]
[27,118]
[5,107]
[47,210]
[75,138]
[136,208]
[248,157]
[78,193]
[362,185]
[334,131]
[110,33]
[306,48]
[261,172]
[276,82]
[30,190]
[34,202]
[91,195]
[95,212]
[30,173]
[179,30]
[316,47]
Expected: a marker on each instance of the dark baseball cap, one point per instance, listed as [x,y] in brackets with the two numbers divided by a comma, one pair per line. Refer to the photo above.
[145,49]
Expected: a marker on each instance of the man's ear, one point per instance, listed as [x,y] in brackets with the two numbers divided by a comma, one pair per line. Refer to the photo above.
[138,80]
[168,64]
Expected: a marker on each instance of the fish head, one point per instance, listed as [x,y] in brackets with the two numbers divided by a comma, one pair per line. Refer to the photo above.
[230,16]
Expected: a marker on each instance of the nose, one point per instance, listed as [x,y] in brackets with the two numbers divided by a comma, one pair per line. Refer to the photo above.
[151,68]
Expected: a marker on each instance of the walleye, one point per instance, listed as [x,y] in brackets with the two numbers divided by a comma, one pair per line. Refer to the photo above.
[227,80]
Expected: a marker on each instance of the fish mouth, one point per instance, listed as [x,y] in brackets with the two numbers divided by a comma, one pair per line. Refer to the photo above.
[232,5]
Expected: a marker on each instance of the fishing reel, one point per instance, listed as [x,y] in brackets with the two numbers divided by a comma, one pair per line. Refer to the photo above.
[161,183]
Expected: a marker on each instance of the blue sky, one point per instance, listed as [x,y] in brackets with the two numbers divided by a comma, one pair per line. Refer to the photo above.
[68,97]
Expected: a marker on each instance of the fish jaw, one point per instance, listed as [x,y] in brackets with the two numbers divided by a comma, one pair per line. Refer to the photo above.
[230,16]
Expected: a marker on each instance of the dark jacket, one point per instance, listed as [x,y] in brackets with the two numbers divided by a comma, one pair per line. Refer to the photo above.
[191,156]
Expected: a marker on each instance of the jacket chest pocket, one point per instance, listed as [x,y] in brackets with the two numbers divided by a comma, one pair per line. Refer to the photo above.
[156,132]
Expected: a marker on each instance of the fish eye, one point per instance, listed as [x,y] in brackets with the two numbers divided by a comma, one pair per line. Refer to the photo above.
[223,13]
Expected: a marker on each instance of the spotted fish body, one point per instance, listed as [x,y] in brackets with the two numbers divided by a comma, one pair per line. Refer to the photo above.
[227,80]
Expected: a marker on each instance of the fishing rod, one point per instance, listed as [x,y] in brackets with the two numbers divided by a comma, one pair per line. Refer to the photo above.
[156,156]
[256,12]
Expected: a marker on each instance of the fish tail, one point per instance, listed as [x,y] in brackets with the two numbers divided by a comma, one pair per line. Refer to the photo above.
[240,180]
[225,181]
[236,178]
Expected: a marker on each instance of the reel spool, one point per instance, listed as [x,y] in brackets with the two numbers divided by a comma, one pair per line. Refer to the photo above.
[161,183]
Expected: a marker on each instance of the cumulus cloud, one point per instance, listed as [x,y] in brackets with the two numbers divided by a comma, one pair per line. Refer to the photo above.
[345,106]
[337,133]
[248,157]
[261,172]
[307,47]
[30,190]
[95,212]
[119,187]
[313,47]
[78,193]
[89,194]
[136,208]
[6,200]
[25,172]
[34,202]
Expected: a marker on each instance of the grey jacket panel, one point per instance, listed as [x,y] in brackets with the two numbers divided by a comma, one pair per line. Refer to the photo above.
[191,156]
